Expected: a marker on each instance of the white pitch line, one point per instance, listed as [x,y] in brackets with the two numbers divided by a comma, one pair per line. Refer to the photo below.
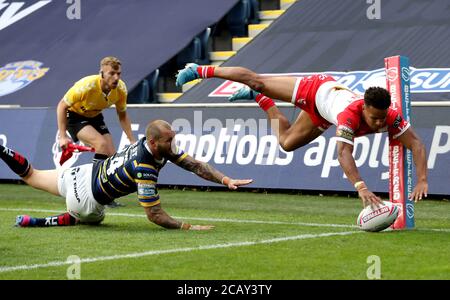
[176,250]
[31,209]
[225,220]
[202,219]
[434,229]
[271,222]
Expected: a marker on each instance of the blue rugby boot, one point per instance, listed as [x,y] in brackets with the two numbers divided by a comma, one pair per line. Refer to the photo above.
[244,93]
[23,221]
[188,74]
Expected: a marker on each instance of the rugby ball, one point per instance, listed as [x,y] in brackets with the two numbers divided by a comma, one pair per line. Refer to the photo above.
[379,218]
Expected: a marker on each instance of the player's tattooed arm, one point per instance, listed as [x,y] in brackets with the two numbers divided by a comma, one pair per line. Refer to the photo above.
[158,216]
[202,169]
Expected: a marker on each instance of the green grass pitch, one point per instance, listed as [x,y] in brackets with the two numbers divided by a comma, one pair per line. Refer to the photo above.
[257,236]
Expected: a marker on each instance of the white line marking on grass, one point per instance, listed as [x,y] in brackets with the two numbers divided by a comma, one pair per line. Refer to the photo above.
[201,219]
[270,222]
[224,220]
[176,250]
[32,209]
[434,229]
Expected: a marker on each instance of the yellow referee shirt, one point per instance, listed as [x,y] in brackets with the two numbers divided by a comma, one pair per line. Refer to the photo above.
[86,97]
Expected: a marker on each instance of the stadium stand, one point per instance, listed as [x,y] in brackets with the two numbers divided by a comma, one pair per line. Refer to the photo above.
[211,45]
[230,34]
[345,40]
[45,42]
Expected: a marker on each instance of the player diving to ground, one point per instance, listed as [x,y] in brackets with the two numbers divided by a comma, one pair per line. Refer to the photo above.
[88,188]
[323,102]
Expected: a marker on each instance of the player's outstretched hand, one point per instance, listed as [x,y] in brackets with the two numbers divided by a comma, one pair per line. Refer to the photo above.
[420,191]
[235,183]
[369,198]
[201,227]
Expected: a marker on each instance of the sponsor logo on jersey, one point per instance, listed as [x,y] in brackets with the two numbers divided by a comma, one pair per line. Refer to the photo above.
[397,121]
[148,176]
[17,75]
[146,190]
[427,80]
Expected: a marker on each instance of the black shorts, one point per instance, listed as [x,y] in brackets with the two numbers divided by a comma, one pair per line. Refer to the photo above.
[76,122]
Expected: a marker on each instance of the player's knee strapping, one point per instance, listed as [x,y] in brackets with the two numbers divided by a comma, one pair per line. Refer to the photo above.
[16,162]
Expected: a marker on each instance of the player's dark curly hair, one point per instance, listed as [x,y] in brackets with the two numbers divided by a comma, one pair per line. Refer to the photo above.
[377,97]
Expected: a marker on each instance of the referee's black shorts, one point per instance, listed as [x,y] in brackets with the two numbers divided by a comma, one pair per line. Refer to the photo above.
[76,122]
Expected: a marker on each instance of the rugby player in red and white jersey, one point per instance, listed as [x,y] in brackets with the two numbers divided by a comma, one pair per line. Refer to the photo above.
[323,102]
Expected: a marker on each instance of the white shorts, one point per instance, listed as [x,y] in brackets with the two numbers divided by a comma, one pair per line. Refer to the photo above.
[75,185]
[332,98]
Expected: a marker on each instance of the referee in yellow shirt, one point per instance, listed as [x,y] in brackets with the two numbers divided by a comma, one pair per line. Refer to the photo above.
[80,110]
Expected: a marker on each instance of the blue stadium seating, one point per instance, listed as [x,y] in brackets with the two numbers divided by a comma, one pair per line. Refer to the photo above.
[145,91]
[196,51]
[238,18]
[254,12]
[242,14]
[152,79]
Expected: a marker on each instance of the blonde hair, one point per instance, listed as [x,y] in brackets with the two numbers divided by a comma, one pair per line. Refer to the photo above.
[112,61]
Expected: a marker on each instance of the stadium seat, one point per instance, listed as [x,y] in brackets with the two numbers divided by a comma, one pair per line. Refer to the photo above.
[145,91]
[238,18]
[139,94]
[152,79]
[196,51]
[254,12]
[204,42]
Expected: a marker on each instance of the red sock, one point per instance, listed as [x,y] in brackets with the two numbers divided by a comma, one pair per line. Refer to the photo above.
[16,162]
[66,219]
[206,71]
[264,102]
